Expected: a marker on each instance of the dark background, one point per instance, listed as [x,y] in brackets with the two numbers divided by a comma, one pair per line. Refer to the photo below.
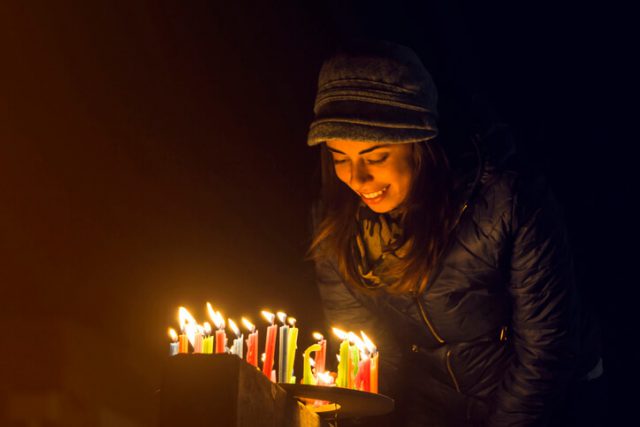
[152,155]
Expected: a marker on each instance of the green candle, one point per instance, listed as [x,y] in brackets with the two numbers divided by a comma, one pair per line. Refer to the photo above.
[307,376]
[354,360]
[343,364]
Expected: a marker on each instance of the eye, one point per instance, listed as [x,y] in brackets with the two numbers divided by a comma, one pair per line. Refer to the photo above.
[337,161]
[377,160]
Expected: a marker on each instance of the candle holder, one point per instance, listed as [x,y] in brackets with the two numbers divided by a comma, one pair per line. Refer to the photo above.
[346,402]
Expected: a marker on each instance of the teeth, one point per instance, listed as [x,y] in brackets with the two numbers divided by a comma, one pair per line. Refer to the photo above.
[374,195]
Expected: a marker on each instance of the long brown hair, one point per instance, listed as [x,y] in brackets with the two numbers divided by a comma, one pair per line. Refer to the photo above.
[426,218]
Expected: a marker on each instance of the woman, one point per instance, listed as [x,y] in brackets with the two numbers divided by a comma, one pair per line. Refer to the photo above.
[461,273]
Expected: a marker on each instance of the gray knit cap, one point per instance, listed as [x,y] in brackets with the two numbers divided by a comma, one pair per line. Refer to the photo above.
[374,91]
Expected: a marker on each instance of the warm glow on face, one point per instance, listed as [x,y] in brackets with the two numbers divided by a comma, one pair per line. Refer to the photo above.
[340,333]
[250,326]
[318,336]
[173,335]
[380,174]
[270,317]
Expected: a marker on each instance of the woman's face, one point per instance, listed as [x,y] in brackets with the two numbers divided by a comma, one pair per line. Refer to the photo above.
[380,174]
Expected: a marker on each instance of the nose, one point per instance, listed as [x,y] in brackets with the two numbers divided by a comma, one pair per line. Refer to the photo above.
[359,175]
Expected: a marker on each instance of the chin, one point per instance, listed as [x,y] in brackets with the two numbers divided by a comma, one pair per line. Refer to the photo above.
[382,208]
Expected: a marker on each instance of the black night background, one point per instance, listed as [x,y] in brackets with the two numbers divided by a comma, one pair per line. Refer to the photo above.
[153,154]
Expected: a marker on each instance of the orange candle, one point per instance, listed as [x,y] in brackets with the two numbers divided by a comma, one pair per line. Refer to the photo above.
[321,355]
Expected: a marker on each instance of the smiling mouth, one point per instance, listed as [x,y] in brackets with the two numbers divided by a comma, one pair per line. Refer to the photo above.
[374,195]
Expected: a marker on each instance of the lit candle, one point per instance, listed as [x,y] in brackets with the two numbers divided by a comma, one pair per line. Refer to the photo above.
[343,361]
[282,346]
[326,379]
[373,364]
[292,346]
[207,344]
[197,341]
[362,379]
[238,342]
[307,375]
[270,343]
[187,329]
[221,336]
[321,355]
[252,343]
[173,346]
[354,358]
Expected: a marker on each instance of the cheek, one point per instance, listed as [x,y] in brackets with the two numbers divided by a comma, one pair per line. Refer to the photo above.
[342,172]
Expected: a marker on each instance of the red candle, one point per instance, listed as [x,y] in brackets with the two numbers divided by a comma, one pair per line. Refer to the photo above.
[373,363]
[270,343]
[252,343]
[363,377]
[321,355]
[221,337]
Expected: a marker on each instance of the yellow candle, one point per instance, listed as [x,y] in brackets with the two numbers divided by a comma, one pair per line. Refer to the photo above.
[343,364]
[307,375]
[292,345]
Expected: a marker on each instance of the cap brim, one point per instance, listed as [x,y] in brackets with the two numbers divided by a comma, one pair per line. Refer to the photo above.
[367,122]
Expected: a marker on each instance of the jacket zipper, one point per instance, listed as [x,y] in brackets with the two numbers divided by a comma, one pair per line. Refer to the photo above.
[416,292]
[428,323]
[451,374]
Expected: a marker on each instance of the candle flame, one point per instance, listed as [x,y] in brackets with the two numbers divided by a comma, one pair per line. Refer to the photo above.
[234,327]
[340,333]
[312,362]
[187,324]
[185,317]
[325,378]
[247,324]
[212,312]
[370,345]
[357,341]
[270,317]
[207,328]
[173,334]
[338,357]
[263,357]
[218,320]
[282,316]
[318,336]
[292,321]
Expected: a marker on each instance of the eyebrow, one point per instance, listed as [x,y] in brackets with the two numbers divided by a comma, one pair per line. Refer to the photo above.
[365,151]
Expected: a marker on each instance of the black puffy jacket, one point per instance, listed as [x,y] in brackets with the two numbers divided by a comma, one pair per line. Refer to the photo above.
[498,332]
